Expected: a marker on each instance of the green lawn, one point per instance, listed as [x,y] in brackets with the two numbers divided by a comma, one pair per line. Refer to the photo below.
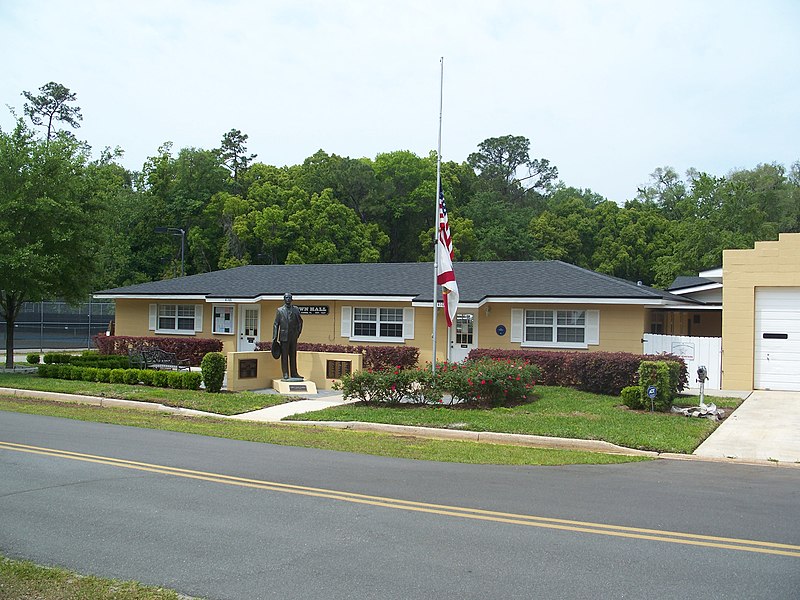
[325,438]
[224,403]
[557,412]
[23,580]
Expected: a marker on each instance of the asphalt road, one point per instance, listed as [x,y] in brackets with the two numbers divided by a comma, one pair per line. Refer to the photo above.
[226,519]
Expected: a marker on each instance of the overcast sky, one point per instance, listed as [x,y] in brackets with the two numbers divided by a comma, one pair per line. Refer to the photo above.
[607,91]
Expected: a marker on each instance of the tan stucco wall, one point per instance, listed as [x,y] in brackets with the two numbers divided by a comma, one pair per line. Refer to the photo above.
[769,264]
[132,318]
[311,365]
[621,326]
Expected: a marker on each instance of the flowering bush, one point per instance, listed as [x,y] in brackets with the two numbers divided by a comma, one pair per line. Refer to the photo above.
[489,382]
[389,386]
[483,382]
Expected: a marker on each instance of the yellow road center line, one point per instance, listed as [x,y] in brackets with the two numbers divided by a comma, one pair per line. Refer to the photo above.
[408,505]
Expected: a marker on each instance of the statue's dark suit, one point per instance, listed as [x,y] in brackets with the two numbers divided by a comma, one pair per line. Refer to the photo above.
[287,328]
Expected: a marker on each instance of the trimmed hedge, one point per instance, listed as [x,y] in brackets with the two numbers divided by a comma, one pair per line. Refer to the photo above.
[184,347]
[87,359]
[376,358]
[182,380]
[598,372]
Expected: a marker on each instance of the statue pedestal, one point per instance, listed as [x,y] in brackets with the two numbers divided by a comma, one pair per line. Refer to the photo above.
[294,388]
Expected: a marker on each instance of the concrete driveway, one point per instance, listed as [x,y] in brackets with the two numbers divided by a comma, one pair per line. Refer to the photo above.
[766,426]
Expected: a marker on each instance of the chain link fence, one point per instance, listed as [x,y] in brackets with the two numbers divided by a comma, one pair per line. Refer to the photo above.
[57,325]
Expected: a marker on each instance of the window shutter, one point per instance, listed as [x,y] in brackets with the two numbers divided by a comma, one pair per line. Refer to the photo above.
[153,317]
[347,312]
[593,327]
[408,323]
[198,317]
[517,316]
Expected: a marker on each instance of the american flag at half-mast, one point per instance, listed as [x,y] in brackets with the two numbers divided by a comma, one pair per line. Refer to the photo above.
[445,276]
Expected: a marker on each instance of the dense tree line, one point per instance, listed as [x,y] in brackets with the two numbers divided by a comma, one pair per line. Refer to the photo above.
[503,205]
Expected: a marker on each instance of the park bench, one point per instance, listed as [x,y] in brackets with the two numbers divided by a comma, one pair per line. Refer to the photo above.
[156,358]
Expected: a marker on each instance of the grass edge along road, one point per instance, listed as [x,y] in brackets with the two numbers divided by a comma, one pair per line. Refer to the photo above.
[555,412]
[22,580]
[376,444]
[223,403]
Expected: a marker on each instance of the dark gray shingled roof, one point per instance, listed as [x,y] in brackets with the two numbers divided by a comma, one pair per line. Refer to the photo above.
[476,281]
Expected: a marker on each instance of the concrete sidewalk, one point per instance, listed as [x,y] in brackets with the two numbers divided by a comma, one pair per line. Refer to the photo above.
[765,427]
[273,414]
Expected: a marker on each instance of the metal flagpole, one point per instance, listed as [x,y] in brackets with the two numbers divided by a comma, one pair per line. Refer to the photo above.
[436,220]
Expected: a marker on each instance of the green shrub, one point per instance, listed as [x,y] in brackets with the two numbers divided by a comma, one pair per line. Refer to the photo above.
[33,359]
[117,376]
[89,373]
[160,379]
[174,380]
[146,376]
[191,380]
[213,369]
[57,358]
[657,373]
[482,382]
[45,371]
[632,397]
[131,376]
[379,387]
[103,375]
[100,361]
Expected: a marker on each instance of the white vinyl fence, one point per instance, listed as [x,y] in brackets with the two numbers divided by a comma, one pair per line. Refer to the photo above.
[696,351]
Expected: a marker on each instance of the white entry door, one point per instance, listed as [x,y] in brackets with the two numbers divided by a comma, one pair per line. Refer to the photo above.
[249,328]
[463,335]
[777,343]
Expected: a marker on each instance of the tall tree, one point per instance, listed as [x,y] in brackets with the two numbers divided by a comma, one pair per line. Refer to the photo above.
[51,105]
[406,202]
[177,191]
[504,163]
[233,153]
[48,223]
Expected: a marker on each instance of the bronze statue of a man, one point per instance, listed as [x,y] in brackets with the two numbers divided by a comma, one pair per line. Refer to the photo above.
[287,328]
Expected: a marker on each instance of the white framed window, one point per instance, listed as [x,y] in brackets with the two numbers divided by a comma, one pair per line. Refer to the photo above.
[543,328]
[373,324]
[223,319]
[176,318]
[571,326]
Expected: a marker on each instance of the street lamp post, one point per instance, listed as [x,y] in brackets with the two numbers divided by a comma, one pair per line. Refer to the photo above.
[175,231]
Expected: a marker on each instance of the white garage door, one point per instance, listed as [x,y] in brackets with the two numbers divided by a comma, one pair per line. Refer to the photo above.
[777,344]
